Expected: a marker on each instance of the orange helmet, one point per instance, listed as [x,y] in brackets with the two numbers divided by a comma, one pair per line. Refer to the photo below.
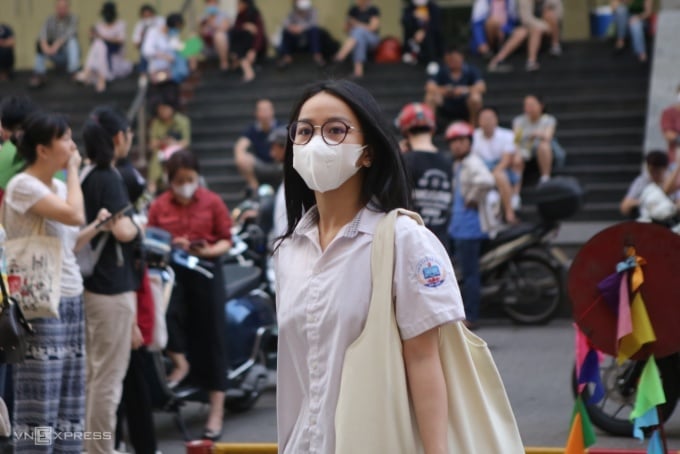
[415,115]
[459,129]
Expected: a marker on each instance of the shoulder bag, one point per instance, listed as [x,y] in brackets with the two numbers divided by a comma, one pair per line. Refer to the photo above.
[374,412]
[34,271]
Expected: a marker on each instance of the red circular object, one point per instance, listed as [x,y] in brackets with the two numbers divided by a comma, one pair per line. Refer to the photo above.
[388,51]
[598,258]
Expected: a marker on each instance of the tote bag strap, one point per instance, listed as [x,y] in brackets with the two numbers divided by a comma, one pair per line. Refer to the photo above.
[382,266]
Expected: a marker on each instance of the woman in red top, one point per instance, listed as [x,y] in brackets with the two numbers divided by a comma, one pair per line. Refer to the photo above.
[247,37]
[200,224]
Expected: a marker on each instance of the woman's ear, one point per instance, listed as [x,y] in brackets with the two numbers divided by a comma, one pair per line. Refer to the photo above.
[119,139]
[366,159]
[41,151]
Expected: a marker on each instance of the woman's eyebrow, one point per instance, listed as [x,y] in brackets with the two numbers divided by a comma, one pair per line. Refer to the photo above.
[334,118]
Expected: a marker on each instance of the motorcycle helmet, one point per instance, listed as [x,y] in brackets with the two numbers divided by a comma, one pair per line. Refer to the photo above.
[388,51]
[416,115]
[459,129]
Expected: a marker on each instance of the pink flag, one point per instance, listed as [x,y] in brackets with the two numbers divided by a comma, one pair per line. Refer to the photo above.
[581,350]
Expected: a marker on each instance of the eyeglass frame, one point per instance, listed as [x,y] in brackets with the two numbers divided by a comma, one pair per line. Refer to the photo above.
[333,120]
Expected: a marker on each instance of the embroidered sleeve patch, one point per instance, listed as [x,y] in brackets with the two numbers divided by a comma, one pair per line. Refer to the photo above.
[430,272]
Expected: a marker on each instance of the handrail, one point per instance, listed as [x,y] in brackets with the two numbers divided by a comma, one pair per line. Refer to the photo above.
[137,109]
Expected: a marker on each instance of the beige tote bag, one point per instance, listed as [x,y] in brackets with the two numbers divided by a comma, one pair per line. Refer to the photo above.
[374,413]
[34,271]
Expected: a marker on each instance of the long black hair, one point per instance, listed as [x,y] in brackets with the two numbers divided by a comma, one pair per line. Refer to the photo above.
[13,111]
[40,128]
[385,181]
[98,132]
[109,12]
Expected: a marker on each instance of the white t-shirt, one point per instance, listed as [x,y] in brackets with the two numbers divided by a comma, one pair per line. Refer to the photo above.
[322,306]
[143,26]
[491,150]
[24,191]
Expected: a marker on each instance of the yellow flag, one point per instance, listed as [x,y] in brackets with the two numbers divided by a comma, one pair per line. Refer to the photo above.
[643,332]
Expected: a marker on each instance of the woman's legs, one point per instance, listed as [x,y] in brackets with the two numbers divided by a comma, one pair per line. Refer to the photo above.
[534,44]
[637,38]
[50,384]
[516,39]
[221,43]
[494,35]
[544,157]
[621,19]
[109,320]
[553,21]
[365,40]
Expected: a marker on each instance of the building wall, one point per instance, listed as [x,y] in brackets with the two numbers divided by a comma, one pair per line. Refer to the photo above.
[27,16]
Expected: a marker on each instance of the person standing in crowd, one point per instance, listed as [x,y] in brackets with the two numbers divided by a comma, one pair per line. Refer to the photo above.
[214,31]
[58,41]
[170,131]
[535,135]
[251,151]
[301,31]
[248,38]
[106,58]
[492,22]
[323,272]
[670,127]
[7,43]
[632,15]
[110,299]
[363,26]
[470,225]
[148,19]
[200,225]
[49,390]
[496,146]
[423,32]
[429,171]
[13,111]
[455,92]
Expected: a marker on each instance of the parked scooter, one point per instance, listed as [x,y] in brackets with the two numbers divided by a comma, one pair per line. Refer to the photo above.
[521,270]
[250,322]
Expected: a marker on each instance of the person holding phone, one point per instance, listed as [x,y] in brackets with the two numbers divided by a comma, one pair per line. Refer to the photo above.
[200,224]
[110,298]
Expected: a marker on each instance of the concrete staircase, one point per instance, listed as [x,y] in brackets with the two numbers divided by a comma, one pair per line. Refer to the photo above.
[598,99]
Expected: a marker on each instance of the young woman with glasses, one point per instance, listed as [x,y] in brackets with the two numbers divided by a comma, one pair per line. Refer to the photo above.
[343,172]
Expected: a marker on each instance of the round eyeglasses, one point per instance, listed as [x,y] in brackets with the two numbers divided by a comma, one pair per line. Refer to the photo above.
[333,132]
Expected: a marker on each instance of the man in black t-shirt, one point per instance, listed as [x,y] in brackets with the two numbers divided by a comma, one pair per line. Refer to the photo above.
[6,52]
[455,91]
[429,170]
[363,26]
[252,149]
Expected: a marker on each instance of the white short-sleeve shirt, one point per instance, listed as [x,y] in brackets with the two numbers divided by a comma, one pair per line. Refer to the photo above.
[491,149]
[24,191]
[322,306]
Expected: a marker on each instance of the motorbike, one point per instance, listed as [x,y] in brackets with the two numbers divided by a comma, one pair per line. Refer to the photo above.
[522,272]
[620,382]
[251,332]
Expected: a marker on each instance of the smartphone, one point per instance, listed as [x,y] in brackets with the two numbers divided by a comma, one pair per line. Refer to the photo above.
[197,244]
[113,216]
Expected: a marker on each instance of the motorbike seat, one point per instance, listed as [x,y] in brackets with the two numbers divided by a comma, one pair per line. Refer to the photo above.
[511,233]
[240,279]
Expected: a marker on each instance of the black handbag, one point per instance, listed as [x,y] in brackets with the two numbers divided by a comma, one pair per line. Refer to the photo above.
[13,329]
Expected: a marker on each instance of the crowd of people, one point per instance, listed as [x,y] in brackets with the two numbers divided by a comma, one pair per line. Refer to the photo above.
[465,193]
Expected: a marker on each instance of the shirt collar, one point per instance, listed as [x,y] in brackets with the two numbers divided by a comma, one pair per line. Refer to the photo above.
[365,221]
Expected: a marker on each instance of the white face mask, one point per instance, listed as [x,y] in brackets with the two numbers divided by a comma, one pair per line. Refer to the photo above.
[186,191]
[325,167]
[303,4]
[420,2]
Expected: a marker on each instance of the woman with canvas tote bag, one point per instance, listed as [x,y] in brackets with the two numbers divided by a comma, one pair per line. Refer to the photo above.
[49,386]
[343,172]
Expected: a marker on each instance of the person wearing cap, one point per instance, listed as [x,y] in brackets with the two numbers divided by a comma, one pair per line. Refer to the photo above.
[252,149]
[214,31]
[471,220]
[429,170]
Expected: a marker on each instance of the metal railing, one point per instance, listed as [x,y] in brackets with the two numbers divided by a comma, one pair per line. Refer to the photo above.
[137,109]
